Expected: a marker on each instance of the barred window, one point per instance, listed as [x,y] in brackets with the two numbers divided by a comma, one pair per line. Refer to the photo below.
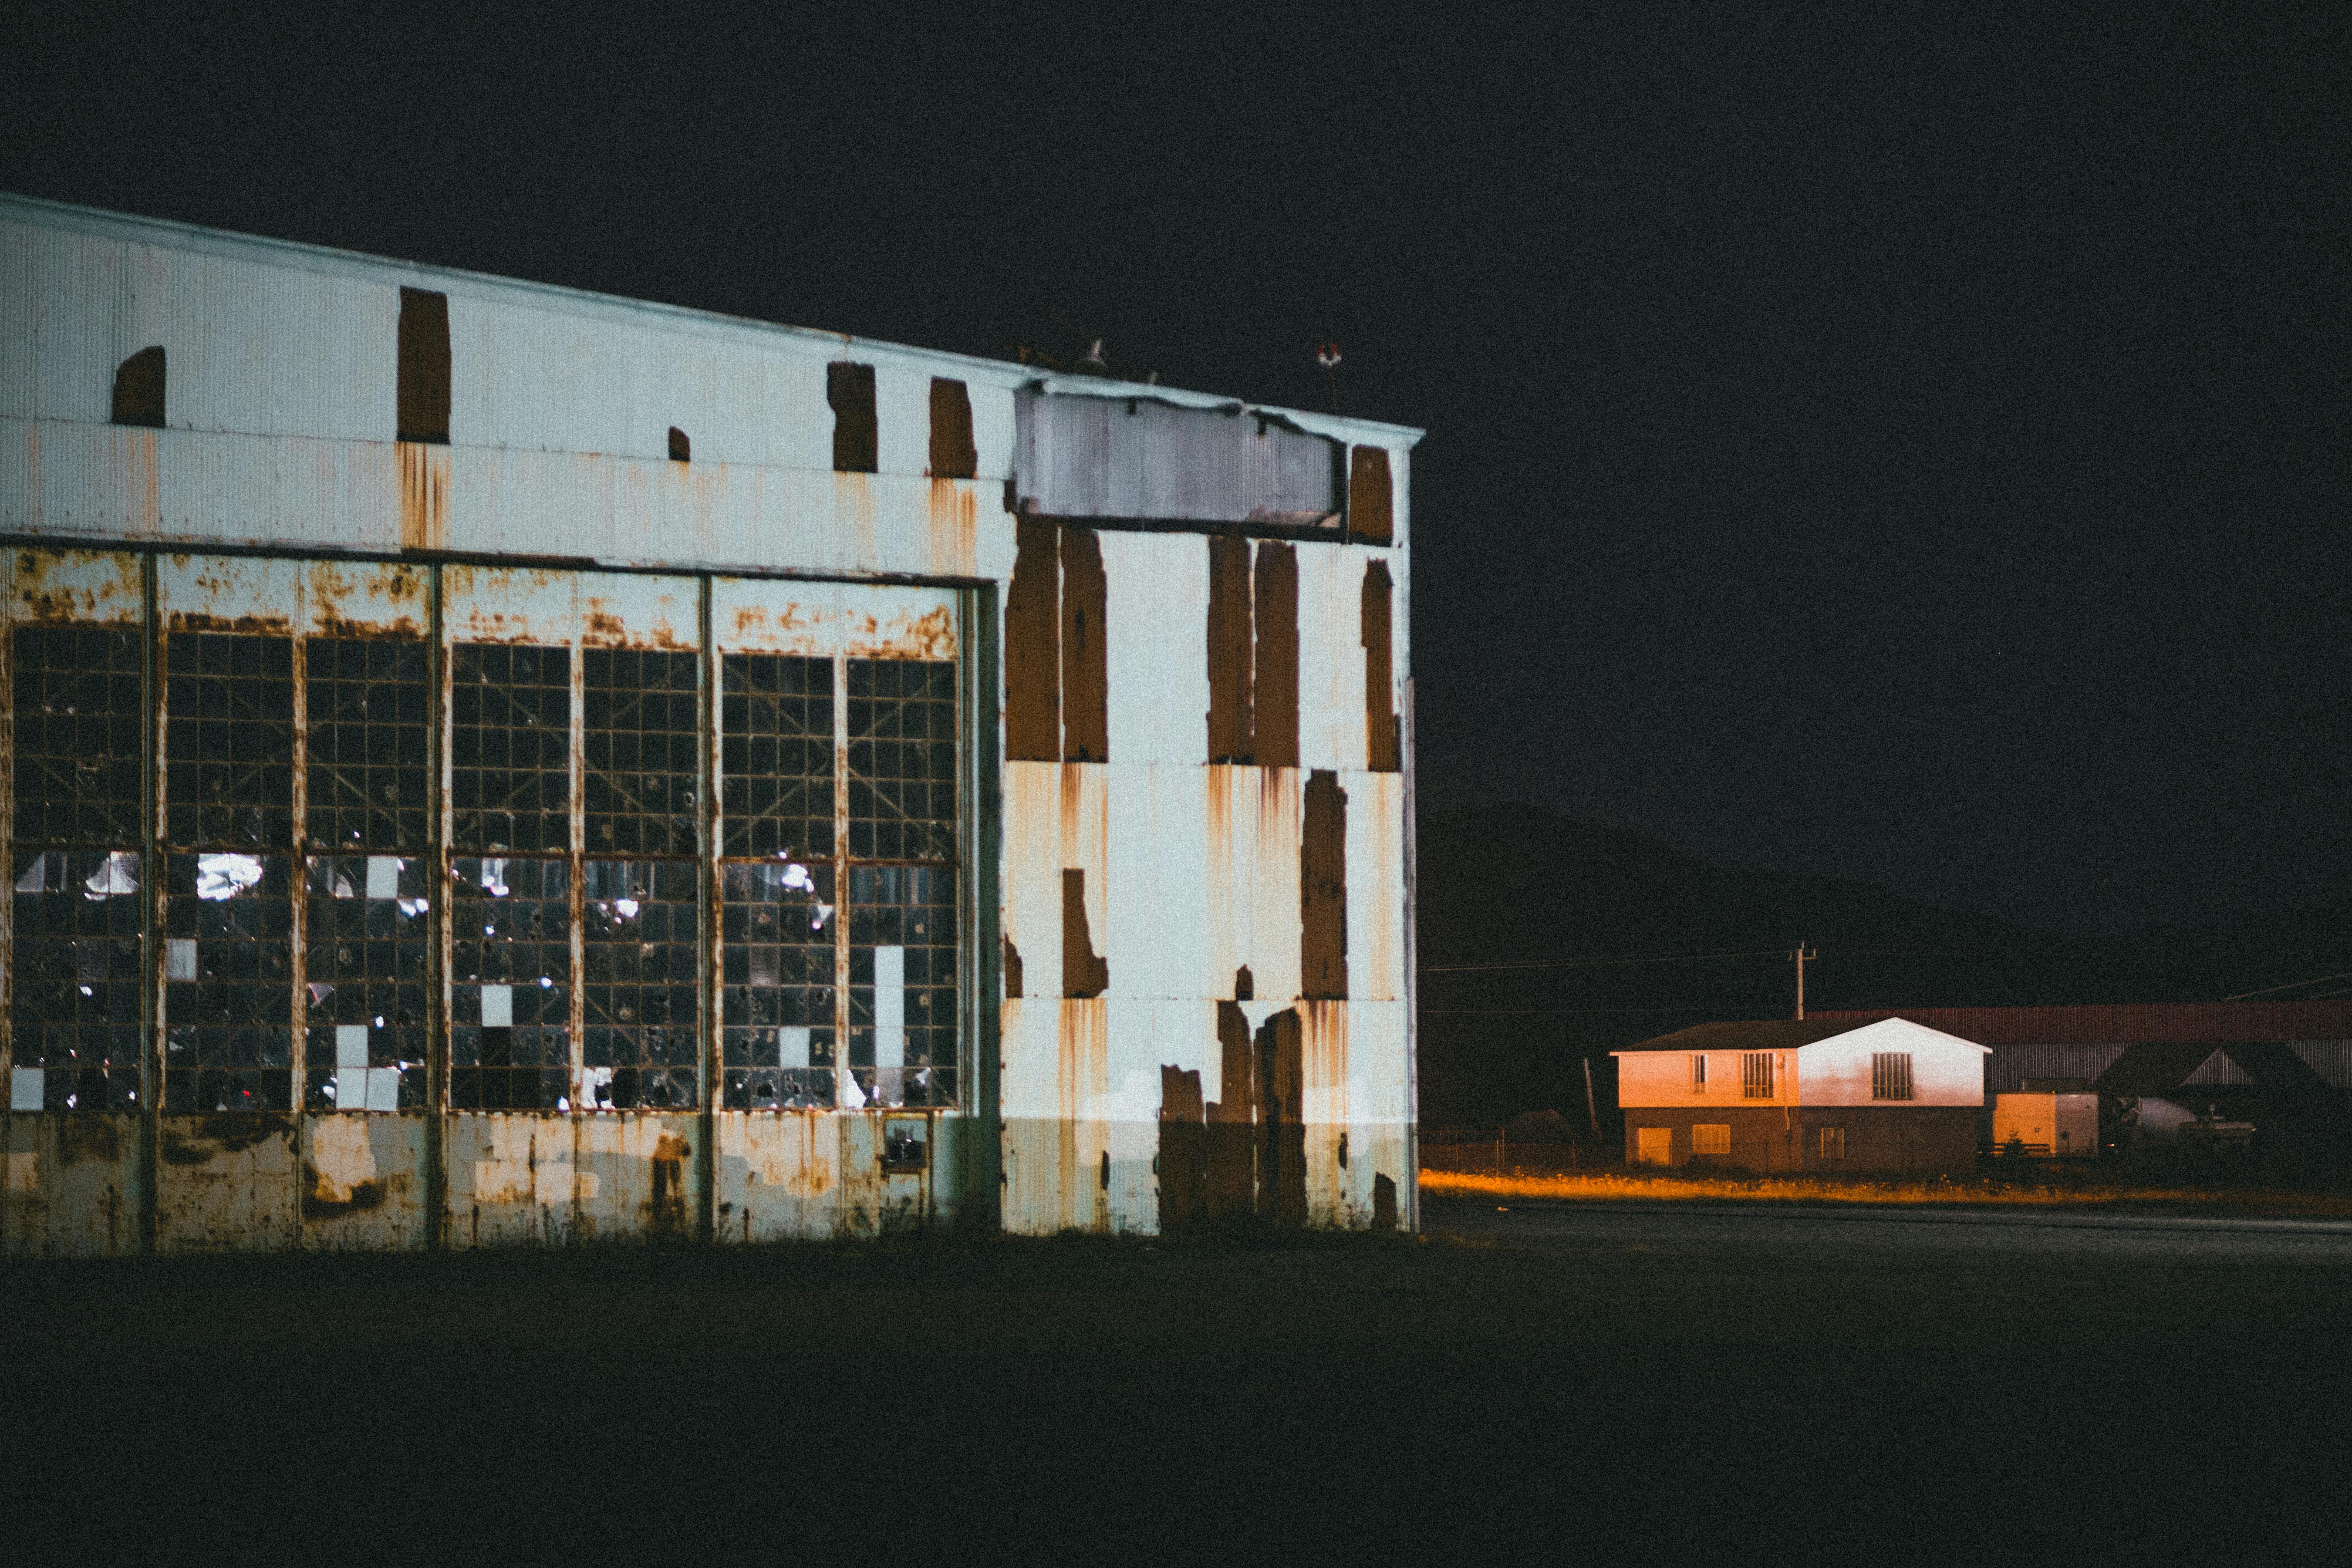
[1756,1075]
[75,1007]
[511,985]
[776,958]
[638,736]
[639,983]
[228,991]
[367,707]
[1698,1072]
[509,747]
[902,734]
[1711,1138]
[902,980]
[229,740]
[364,983]
[1832,1143]
[78,711]
[776,756]
[1890,1075]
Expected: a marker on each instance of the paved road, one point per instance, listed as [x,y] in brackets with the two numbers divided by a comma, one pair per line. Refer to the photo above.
[1945,1233]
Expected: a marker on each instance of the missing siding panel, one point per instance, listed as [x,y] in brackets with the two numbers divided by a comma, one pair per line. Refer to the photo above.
[1276,684]
[1282,1091]
[1323,890]
[681,449]
[1230,717]
[1380,743]
[1033,646]
[1012,969]
[1244,984]
[1085,678]
[1229,1175]
[953,455]
[424,391]
[1083,973]
[1370,507]
[1182,1139]
[139,389]
[1384,1204]
[857,440]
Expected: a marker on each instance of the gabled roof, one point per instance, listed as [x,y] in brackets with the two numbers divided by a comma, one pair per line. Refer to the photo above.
[1781,1035]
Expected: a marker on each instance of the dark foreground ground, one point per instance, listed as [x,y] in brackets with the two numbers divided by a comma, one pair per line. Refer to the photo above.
[1620,1382]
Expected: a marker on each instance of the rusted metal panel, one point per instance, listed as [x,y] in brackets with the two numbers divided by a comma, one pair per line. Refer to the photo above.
[362,1182]
[777,1175]
[228,1183]
[1142,459]
[1382,753]
[69,1185]
[1085,718]
[1275,674]
[1370,518]
[63,586]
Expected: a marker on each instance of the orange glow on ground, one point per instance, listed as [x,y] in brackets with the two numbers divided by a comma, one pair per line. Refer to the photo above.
[1976,1190]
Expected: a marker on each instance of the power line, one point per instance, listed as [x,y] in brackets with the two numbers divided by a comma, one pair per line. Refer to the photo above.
[2297,985]
[1597,961]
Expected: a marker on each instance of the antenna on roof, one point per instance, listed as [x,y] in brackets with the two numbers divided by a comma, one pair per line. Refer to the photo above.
[1802,953]
[1327,357]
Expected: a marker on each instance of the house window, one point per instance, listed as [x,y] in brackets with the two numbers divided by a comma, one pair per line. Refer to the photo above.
[1832,1143]
[1890,1075]
[1755,1075]
[1711,1138]
[1698,1072]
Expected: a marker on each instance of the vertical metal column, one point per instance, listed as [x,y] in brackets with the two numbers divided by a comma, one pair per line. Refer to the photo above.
[979,1200]
[436,918]
[297,923]
[151,908]
[706,872]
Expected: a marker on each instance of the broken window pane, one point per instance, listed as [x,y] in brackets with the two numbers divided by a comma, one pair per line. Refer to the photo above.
[229,739]
[639,986]
[902,984]
[76,753]
[638,738]
[776,948]
[776,756]
[509,747]
[367,707]
[511,985]
[365,943]
[228,940]
[74,964]
[902,742]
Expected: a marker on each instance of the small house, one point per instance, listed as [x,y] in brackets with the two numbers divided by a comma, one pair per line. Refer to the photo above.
[1815,1095]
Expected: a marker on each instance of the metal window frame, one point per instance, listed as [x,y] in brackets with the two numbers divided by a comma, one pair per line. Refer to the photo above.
[978,837]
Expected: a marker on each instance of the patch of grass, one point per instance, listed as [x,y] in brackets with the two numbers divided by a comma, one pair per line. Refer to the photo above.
[1620,1187]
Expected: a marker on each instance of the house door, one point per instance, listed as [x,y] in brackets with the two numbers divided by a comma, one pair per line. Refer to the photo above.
[1654,1146]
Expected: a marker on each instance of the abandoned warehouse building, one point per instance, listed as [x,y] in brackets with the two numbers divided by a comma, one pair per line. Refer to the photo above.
[490,764]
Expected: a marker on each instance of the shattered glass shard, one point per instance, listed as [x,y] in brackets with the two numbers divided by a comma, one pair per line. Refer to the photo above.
[222,877]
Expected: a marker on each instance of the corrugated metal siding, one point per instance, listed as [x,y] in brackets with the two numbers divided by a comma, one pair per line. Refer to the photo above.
[1136,457]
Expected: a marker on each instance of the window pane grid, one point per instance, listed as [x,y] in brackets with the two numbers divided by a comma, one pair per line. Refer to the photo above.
[365,940]
[640,985]
[509,747]
[776,756]
[1890,1075]
[229,740]
[77,710]
[228,940]
[776,979]
[75,1007]
[366,699]
[1756,1075]
[902,742]
[902,984]
[637,743]
[511,985]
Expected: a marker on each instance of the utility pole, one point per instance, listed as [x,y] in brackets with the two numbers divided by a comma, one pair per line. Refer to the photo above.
[1801,953]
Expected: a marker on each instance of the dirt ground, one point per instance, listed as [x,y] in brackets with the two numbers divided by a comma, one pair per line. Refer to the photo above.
[1472,1389]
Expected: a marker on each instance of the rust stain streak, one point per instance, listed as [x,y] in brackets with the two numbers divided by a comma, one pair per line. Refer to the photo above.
[955,529]
[423,496]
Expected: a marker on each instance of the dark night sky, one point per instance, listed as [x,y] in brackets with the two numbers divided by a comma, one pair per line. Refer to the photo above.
[1908,449]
